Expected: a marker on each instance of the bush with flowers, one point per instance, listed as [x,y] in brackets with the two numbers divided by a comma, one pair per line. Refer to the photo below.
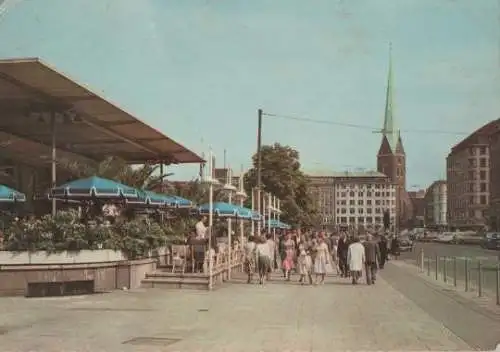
[65,232]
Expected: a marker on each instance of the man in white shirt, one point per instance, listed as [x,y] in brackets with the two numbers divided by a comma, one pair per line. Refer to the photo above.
[201,229]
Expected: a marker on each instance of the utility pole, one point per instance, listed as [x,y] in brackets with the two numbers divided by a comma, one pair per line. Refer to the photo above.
[259,167]
[259,146]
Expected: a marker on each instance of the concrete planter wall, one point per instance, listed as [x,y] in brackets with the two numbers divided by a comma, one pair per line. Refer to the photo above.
[107,269]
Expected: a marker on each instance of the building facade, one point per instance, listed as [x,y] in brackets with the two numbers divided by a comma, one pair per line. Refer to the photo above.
[391,157]
[468,179]
[417,208]
[355,200]
[494,184]
[436,201]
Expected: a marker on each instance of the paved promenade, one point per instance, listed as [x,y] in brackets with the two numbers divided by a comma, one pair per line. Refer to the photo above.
[239,317]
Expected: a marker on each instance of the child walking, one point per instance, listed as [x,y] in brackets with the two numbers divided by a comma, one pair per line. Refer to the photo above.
[305,267]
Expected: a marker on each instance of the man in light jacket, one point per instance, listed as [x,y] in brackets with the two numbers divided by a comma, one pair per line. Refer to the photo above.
[356,259]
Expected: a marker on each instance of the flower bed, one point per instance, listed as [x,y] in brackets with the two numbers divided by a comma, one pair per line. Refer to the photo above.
[61,249]
[66,233]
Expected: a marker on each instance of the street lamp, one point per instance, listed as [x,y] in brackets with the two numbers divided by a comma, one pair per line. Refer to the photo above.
[229,188]
[208,178]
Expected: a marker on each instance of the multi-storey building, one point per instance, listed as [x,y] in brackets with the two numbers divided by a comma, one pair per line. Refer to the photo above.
[494,184]
[353,199]
[468,179]
[417,208]
[435,201]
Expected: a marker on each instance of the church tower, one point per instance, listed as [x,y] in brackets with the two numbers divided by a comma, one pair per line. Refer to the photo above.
[391,158]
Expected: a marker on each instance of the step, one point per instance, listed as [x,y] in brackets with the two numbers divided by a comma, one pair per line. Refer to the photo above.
[166,274]
[175,283]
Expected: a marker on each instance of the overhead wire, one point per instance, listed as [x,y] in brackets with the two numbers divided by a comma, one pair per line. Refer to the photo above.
[357,126]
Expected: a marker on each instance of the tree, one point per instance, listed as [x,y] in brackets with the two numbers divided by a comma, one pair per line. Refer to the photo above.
[114,168]
[281,176]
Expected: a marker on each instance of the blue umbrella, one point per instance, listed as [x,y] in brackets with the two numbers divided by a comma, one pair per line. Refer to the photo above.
[256,216]
[220,209]
[244,213]
[182,202]
[152,198]
[9,195]
[94,187]
[277,224]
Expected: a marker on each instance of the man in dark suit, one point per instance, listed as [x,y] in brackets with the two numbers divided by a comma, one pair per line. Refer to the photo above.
[342,249]
[372,258]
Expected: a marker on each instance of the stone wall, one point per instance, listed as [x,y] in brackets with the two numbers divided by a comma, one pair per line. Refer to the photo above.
[107,269]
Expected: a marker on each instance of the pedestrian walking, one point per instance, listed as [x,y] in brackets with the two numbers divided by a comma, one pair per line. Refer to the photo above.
[288,262]
[272,252]
[263,255]
[372,258]
[356,259]
[305,265]
[250,256]
[342,249]
[395,248]
[383,248]
[321,260]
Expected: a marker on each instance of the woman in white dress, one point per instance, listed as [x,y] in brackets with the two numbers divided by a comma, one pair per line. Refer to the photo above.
[321,260]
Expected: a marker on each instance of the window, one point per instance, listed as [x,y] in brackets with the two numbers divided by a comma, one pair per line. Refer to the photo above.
[483,200]
[343,220]
[352,211]
[344,211]
[360,194]
[352,219]
[351,202]
[472,162]
[483,162]
[368,194]
[360,211]
[377,202]
[360,202]
[369,210]
[482,175]
[368,202]
[377,194]
[472,151]
[482,150]
[369,219]
[351,194]
[471,200]
[361,219]
[472,175]
[483,187]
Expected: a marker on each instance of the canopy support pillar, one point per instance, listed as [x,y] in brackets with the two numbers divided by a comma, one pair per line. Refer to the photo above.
[53,159]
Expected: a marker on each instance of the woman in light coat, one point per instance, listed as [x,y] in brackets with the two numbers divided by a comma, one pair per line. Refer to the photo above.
[356,259]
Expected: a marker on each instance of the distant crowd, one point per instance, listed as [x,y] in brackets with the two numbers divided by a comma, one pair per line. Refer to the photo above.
[313,255]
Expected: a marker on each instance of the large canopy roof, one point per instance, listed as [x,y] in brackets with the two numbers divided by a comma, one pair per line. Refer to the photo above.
[87,125]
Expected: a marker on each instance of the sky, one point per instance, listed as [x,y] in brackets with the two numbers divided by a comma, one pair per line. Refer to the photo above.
[199,70]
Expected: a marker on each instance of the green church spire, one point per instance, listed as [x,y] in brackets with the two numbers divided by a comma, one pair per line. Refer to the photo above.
[390,130]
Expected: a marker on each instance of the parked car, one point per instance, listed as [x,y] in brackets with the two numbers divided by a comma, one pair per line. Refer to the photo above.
[490,240]
[468,237]
[405,244]
[446,237]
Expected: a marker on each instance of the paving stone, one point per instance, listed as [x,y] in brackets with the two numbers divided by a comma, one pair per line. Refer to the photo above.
[278,316]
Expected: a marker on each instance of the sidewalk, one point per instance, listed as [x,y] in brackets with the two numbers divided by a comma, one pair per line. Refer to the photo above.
[239,317]
[475,320]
